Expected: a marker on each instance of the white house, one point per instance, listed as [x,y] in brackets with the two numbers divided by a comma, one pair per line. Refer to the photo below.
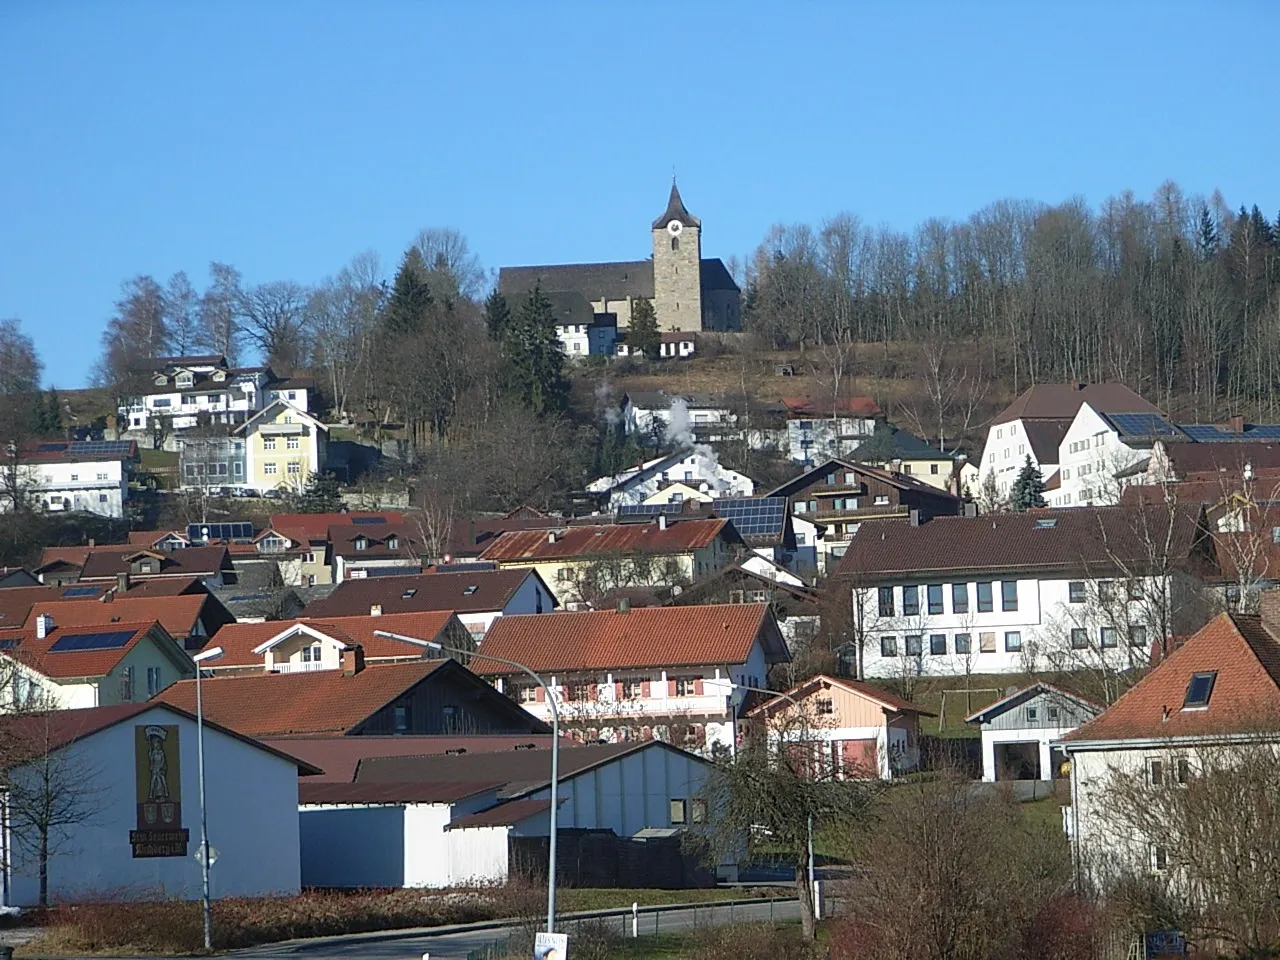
[131,771]
[665,673]
[1019,732]
[65,475]
[653,414]
[1035,424]
[1014,593]
[697,468]
[819,430]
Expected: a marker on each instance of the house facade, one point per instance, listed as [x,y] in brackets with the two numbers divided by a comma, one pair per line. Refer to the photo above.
[284,446]
[1020,731]
[82,476]
[710,417]
[1099,451]
[819,430]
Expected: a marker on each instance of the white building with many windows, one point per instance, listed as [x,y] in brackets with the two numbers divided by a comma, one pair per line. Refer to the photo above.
[1097,447]
[91,476]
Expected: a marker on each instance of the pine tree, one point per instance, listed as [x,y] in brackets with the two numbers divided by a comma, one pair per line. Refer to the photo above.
[1028,489]
[880,447]
[52,425]
[535,358]
[321,495]
[1208,233]
[497,315]
[410,296]
[643,334]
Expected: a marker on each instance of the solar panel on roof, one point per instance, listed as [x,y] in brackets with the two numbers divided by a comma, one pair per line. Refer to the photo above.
[390,571]
[72,642]
[8,644]
[1144,425]
[111,448]
[755,516]
[480,567]
[51,447]
[79,592]
[649,509]
[368,520]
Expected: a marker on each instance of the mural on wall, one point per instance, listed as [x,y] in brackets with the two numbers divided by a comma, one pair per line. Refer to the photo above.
[158,780]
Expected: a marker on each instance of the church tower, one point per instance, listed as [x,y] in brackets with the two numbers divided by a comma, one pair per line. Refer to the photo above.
[677,267]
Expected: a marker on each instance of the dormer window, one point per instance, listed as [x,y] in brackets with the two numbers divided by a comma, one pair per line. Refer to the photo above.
[219,375]
[161,380]
[361,543]
[185,379]
[393,543]
[1199,690]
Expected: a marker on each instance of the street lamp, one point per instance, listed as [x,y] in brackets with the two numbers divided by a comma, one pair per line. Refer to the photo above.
[555,751]
[213,653]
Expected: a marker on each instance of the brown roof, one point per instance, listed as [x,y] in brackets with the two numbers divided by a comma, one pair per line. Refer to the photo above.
[885,699]
[178,615]
[471,592]
[679,536]
[187,562]
[1246,692]
[417,792]
[16,603]
[823,407]
[646,637]
[343,538]
[305,527]
[279,704]
[339,757]
[897,479]
[1061,401]
[40,655]
[1190,458]
[239,640]
[503,815]
[1071,538]
[1045,437]
[76,556]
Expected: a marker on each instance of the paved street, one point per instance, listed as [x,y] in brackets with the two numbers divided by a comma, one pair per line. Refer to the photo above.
[456,946]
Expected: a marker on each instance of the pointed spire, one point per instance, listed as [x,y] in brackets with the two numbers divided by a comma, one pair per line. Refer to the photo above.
[676,211]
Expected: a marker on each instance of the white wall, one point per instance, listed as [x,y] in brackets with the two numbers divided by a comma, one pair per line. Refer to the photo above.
[1090,455]
[1044,736]
[252,815]
[94,486]
[1005,454]
[822,438]
[477,854]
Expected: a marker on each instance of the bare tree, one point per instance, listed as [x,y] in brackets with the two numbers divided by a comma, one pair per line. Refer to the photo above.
[219,320]
[182,313]
[20,370]
[342,316]
[272,317]
[455,272]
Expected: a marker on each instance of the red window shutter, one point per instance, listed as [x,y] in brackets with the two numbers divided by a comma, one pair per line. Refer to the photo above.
[617,690]
[697,686]
[593,691]
[644,690]
[542,695]
[671,688]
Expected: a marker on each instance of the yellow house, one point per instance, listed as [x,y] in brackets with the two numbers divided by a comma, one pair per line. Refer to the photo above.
[678,493]
[284,446]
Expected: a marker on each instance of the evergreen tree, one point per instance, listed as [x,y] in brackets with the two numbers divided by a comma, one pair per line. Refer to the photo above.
[52,424]
[497,315]
[535,358]
[321,495]
[643,333]
[410,297]
[1028,489]
[1208,233]
[880,447]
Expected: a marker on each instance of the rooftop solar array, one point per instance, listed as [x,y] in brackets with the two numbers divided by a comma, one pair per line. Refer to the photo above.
[478,567]
[73,642]
[1212,433]
[98,448]
[391,571]
[650,509]
[1143,425]
[219,531]
[754,516]
[368,520]
[72,592]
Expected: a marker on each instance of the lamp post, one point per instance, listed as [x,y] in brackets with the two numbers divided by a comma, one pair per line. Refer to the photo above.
[206,909]
[804,719]
[555,751]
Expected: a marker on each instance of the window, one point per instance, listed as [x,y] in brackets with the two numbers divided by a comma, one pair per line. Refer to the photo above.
[526,693]
[737,596]
[1008,595]
[1033,714]
[102,498]
[402,718]
[1181,771]
[292,443]
[882,500]
[699,811]
[910,601]
[992,458]
[933,468]
[1155,772]
[1013,641]
[826,707]
[581,692]
[888,646]
[959,598]
[837,504]
[1159,858]
[1110,637]
[1137,635]
[678,810]
[154,682]
[102,476]
[1053,713]
[1106,591]
[915,645]
[938,644]
[361,544]
[268,443]
[1079,638]
[1075,591]
[269,468]
[802,507]
[311,654]
[986,643]
[757,596]
[934,594]
[984,598]
[886,602]
[813,506]
[1199,690]
[162,402]
[293,469]
[963,644]
[632,689]
[393,543]
[1137,589]
[1275,534]
[75,476]
[126,685]
[686,686]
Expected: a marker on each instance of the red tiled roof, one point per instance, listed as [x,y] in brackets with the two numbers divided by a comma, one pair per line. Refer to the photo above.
[304,527]
[416,792]
[178,615]
[647,637]
[1246,658]
[16,603]
[280,704]
[503,815]
[680,536]
[472,592]
[1207,488]
[37,652]
[339,757]
[76,556]
[1061,401]
[1214,458]
[238,640]
[344,536]
[822,407]
[856,687]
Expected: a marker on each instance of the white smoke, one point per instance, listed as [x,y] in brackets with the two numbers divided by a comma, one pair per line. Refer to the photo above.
[604,398]
[679,431]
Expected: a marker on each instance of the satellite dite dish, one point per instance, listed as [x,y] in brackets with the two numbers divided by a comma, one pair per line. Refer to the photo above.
[674,227]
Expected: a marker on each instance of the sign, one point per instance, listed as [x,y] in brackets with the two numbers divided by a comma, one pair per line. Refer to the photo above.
[1165,945]
[157,763]
[551,946]
[199,854]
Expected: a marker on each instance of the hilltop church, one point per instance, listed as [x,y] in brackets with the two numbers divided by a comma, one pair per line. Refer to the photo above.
[688,292]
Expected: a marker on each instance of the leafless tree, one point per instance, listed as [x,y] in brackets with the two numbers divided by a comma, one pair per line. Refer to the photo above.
[219,318]
[272,316]
[20,370]
[455,270]
[342,316]
[182,313]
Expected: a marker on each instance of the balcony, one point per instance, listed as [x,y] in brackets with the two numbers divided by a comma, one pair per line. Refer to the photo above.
[302,666]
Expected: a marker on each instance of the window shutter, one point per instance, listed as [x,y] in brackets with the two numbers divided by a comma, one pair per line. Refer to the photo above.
[697,687]
[542,695]
[617,690]
[671,688]
[593,691]
[644,689]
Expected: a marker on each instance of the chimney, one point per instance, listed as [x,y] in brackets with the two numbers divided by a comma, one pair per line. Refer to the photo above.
[1269,608]
[92,543]
[1235,424]
[970,509]
[662,521]
[896,464]
[108,595]
[352,660]
[122,581]
[624,605]
[913,517]
[44,625]
[375,609]
[1077,387]
[551,536]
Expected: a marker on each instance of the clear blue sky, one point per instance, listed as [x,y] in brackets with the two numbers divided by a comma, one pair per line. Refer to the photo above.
[286,137]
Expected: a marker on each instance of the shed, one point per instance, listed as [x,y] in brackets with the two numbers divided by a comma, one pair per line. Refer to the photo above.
[1019,730]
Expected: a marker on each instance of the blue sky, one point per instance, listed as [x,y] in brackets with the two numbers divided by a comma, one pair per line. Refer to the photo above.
[286,137]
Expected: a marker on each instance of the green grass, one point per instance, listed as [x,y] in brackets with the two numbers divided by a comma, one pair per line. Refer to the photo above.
[159,461]
[983,689]
[570,900]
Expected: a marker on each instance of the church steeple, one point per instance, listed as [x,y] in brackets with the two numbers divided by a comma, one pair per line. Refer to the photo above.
[676,211]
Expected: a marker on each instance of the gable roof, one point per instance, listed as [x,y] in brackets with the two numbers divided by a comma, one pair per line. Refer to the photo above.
[645,637]
[815,684]
[1019,697]
[179,615]
[276,405]
[39,653]
[1045,438]
[305,527]
[1216,458]
[339,757]
[77,555]
[479,591]
[187,562]
[595,281]
[1061,401]
[343,536]
[503,815]
[594,540]
[902,481]
[310,792]
[1242,653]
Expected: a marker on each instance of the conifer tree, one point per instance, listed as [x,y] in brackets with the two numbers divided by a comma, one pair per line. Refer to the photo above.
[1028,489]
[535,358]
[643,334]
[322,494]
[410,297]
[497,315]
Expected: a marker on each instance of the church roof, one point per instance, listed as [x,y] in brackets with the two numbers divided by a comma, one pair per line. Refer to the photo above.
[676,211]
[595,281]
[716,276]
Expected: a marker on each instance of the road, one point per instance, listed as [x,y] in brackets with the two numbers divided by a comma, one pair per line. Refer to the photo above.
[456,946]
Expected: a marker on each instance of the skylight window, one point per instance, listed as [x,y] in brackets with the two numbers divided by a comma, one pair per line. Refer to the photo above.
[1199,690]
[469,591]
[409,594]
[1046,524]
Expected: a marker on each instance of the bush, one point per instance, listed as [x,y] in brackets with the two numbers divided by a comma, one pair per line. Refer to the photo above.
[755,941]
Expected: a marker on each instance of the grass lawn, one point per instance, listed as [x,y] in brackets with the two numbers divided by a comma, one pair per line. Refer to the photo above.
[159,461]
[570,900]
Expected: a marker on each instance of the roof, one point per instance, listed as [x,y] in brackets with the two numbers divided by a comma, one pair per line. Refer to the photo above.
[279,405]
[86,657]
[595,281]
[310,792]
[1244,655]
[1067,538]
[343,538]
[890,702]
[339,757]
[675,211]
[714,275]
[569,307]
[315,526]
[480,591]
[1061,401]
[1191,458]
[503,815]
[79,451]
[239,640]
[187,562]
[178,615]
[324,702]
[598,539]
[902,481]
[1019,697]
[1045,438]
[61,728]
[661,400]
[76,556]
[907,446]
[645,637]
[865,407]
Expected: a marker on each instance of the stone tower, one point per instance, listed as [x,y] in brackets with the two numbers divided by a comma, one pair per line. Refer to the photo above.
[677,267]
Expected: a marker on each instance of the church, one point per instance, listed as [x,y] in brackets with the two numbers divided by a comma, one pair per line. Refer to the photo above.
[688,292]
